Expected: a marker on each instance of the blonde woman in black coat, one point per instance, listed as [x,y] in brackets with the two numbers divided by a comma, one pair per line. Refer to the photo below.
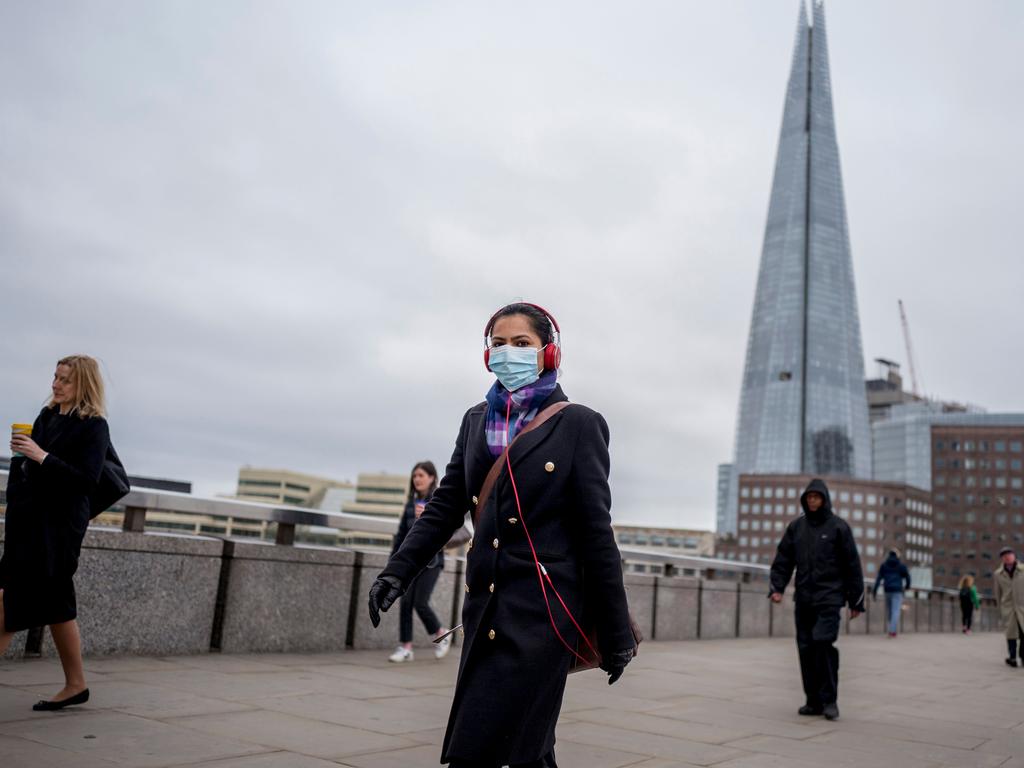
[48,491]
[519,640]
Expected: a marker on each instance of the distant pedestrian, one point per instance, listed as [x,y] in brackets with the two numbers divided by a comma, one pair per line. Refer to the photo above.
[968,602]
[820,546]
[897,578]
[422,485]
[1009,594]
[53,473]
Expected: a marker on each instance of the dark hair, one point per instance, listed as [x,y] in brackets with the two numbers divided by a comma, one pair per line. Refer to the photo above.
[430,469]
[539,322]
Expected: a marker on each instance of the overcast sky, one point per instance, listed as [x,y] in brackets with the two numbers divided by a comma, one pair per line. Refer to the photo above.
[282,226]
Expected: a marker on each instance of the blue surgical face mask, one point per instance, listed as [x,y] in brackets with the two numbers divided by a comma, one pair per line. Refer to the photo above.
[515,367]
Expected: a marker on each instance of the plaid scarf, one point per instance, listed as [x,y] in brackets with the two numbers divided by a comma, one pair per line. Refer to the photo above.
[526,401]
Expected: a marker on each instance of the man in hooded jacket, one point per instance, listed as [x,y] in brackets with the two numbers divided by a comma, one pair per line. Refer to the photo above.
[820,546]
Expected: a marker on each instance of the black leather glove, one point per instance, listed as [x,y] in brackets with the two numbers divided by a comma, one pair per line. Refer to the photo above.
[615,664]
[383,593]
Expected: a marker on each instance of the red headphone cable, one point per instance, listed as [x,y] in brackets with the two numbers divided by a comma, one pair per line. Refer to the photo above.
[542,572]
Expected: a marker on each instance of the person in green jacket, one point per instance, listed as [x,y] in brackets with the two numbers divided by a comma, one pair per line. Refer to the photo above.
[968,602]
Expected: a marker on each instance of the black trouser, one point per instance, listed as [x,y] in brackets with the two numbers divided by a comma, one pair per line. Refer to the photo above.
[548,761]
[418,597]
[817,628]
[1011,645]
[967,612]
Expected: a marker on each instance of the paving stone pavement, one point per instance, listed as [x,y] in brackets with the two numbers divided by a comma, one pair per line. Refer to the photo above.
[920,701]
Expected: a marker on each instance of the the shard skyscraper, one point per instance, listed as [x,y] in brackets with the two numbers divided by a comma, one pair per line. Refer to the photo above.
[803,408]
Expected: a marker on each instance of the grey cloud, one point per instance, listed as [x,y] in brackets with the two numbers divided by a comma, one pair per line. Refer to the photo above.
[282,226]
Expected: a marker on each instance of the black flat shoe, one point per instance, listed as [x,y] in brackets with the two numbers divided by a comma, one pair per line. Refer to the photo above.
[70,701]
[831,712]
[808,710]
[1011,662]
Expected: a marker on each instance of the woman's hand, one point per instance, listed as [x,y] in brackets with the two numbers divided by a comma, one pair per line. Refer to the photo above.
[28,448]
[615,664]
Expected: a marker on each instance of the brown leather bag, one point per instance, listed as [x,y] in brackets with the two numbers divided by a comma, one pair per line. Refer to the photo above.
[582,647]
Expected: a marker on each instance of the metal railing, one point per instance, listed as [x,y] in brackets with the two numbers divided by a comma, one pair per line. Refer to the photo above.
[139,502]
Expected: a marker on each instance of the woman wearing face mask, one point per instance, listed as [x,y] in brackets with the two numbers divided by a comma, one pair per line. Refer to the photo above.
[52,476]
[553,508]
[422,485]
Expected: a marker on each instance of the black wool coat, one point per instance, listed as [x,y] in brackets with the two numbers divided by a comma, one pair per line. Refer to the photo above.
[47,515]
[405,523]
[513,667]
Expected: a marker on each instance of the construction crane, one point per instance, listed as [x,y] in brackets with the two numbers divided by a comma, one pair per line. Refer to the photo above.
[910,350]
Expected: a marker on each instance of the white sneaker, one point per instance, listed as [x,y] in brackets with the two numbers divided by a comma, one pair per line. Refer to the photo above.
[443,647]
[400,655]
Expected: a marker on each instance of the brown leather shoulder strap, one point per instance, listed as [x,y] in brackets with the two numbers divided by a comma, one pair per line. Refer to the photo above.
[492,475]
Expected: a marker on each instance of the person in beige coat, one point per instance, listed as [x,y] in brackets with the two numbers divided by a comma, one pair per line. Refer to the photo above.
[1009,594]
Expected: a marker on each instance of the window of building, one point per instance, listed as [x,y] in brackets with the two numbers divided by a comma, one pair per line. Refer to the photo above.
[858,531]
[970,464]
[968,445]
[1000,482]
[999,445]
[1015,446]
[791,493]
[871,567]
[872,533]
[755,541]
[625,538]
[844,495]
[940,463]
[744,508]
[858,514]
[939,480]
[940,445]
[792,509]
[872,516]
[745,492]
[756,509]
[743,541]
[1015,482]
[778,525]
[755,525]
[1015,465]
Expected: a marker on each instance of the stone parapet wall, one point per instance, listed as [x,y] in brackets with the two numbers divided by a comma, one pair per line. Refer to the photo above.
[165,594]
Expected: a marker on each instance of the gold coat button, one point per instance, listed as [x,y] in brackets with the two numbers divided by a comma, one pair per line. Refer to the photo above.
[467,589]
[512,521]
[491,635]
[475,500]
[494,543]
[550,466]
[491,588]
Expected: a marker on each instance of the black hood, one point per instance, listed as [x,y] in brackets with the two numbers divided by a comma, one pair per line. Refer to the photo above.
[893,557]
[817,486]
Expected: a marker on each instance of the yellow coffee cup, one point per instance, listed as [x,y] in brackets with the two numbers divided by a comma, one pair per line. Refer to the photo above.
[21,429]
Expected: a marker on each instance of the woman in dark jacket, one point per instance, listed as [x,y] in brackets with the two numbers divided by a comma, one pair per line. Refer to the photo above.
[555,505]
[48,492]
[422,485]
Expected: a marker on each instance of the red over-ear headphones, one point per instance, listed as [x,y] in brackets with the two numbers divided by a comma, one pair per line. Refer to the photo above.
[552,351]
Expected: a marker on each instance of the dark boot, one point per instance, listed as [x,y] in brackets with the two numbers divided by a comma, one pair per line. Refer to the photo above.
[831,711]
[809,710]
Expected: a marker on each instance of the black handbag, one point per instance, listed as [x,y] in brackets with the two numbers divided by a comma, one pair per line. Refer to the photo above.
[112,486]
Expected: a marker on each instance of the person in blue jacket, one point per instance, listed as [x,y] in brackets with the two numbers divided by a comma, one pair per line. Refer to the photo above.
[897,579]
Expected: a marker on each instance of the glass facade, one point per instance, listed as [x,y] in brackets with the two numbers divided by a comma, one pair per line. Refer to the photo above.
[803,407]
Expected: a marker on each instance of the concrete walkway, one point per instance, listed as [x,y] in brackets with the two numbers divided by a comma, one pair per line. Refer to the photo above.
[914,702]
